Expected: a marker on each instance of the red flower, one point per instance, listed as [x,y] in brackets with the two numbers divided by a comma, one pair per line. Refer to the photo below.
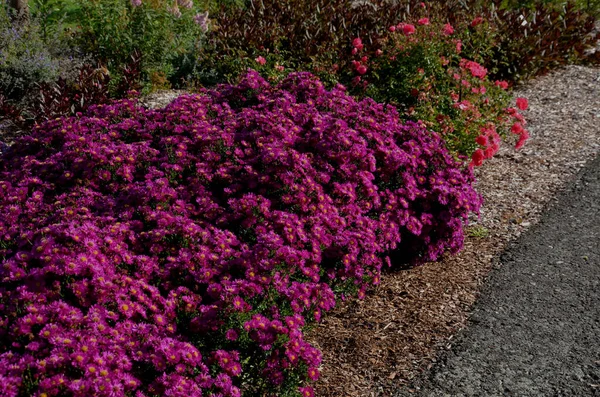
[522,103]
[423,21]
[489,152]
[392,28]
[476,69]
[476,21]
[357,43]
[481,140]
[408,29]
[522,140]
[502,84]
[448,30]
[361,69]
[260,60]
[477,157]
[517,128]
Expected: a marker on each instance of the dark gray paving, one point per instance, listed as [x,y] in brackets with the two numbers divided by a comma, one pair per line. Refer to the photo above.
[536,329]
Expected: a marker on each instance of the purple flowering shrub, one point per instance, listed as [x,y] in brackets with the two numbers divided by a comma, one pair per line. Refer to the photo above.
[183,251]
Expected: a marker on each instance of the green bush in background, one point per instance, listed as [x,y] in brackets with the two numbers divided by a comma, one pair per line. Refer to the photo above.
[29,56]
[162,32]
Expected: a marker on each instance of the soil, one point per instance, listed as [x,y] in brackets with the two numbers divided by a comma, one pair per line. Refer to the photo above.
[536,329]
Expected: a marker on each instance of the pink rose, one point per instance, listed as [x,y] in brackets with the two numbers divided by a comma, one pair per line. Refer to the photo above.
[522,103]
[477,157]
[502,84]
[458,46]
[423,21]
[448,30]
[260,60]
[408,29]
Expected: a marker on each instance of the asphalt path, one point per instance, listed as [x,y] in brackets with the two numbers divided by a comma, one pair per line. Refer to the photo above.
[535,331]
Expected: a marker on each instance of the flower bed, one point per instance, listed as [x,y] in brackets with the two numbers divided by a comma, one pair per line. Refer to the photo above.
[182,251]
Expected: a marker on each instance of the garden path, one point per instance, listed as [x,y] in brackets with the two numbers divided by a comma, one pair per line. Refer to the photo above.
[536,329]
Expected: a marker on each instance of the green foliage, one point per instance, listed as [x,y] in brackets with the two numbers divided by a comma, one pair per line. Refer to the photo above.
[529,37]
[29,57]
[163,32]
[477,231]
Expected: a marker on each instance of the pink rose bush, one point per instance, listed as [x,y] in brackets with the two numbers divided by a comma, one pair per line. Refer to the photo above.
[182,251]
[423,70]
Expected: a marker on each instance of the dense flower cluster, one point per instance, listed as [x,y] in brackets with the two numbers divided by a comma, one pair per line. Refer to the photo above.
[182,251]
[423,70]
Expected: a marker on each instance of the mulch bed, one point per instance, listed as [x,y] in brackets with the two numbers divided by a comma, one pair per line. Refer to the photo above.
[375,346]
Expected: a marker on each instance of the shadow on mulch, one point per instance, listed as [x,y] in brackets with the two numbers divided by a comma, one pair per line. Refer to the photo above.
[373,346]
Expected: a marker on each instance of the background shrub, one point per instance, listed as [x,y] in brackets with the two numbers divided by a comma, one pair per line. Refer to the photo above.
[421,69]
[29,57]
[161,32]
[533,41]
[316,36]
[299,34]
[69,96]
[183,251]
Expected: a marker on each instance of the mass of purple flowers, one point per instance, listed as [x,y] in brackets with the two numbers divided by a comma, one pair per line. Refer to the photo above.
[183,251]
